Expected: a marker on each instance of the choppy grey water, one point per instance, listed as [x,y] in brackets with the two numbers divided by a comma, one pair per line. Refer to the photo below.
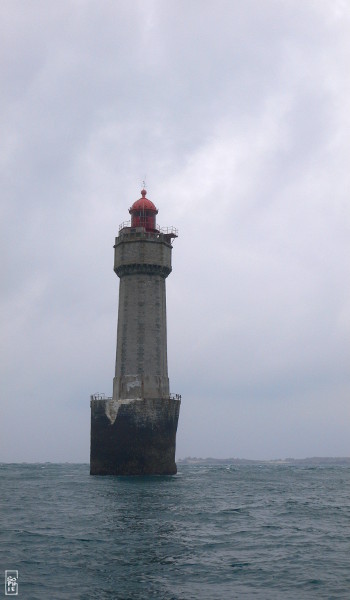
[209,533]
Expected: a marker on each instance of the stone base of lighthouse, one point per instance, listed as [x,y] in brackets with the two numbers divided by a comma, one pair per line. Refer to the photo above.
[133,436]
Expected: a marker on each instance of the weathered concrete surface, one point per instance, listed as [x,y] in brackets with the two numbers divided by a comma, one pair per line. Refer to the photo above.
[134,436]
[136,250]
[141,369]
[142,261]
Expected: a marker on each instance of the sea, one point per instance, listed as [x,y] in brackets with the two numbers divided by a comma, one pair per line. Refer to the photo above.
[211,532]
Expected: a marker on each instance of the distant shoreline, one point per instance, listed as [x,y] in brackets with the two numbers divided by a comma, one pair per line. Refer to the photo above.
[328,460]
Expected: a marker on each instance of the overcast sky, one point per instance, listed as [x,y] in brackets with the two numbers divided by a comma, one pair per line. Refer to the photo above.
[236,112]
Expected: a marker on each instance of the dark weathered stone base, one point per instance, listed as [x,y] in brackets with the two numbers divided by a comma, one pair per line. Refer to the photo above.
[133,437]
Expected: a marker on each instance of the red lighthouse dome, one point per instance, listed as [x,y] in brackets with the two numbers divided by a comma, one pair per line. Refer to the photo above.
[143,213]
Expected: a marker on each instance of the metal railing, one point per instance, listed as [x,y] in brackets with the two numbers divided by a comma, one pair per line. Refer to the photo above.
[163,230]
[99,396]
[169,231]
[124,224]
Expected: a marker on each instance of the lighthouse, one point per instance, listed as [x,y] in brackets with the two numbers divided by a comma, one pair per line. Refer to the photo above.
[134,431]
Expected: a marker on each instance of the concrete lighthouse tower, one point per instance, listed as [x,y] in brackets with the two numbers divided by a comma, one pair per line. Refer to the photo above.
[134,432]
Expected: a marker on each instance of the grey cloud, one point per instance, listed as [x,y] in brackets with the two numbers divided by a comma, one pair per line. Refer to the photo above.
[237,114]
